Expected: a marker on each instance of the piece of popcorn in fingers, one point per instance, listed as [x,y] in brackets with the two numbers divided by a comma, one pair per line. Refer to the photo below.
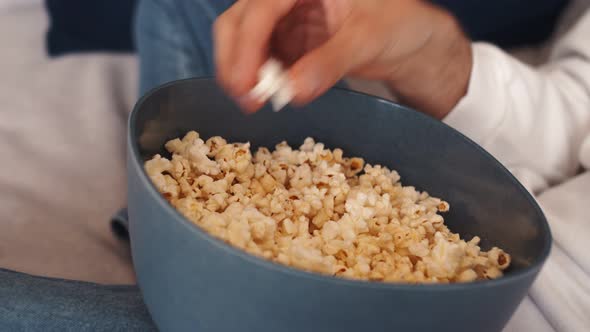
[273,84]
[268,81]
[282,97]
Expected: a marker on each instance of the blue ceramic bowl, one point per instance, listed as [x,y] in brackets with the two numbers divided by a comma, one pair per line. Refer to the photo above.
[194,282]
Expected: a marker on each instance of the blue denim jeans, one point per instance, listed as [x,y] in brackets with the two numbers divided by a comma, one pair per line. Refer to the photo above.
[29,303]
[173,38]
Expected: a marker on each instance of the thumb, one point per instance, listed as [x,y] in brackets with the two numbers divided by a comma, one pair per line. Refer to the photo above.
[317,71]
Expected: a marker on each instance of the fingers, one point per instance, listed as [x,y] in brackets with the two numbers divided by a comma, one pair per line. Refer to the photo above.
[258,23]
[242,37]
[225,31]
[320,69]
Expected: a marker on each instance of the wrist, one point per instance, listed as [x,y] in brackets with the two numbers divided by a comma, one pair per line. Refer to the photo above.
[436,77]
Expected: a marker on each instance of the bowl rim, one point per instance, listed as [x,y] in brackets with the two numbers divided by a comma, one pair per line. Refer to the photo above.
[137,165]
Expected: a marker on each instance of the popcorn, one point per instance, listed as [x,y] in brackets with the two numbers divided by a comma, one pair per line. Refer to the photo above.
[314,209]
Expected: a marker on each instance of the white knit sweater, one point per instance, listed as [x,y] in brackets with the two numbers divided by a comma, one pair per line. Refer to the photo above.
[537,123]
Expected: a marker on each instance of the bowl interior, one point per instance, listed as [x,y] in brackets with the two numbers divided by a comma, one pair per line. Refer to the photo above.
[485,199]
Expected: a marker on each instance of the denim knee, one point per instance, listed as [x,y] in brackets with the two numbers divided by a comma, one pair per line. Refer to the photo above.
[173,38]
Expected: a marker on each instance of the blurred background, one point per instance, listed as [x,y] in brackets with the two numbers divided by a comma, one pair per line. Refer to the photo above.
[68,79]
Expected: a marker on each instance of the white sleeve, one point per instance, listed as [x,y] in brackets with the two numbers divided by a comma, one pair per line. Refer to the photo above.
[533,120]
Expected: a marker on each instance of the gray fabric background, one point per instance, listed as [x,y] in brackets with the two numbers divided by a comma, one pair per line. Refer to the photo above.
[62,126]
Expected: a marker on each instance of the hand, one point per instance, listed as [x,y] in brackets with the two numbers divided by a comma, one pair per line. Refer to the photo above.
[416,48]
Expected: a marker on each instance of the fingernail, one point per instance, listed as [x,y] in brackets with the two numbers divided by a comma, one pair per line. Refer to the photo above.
[248,104]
